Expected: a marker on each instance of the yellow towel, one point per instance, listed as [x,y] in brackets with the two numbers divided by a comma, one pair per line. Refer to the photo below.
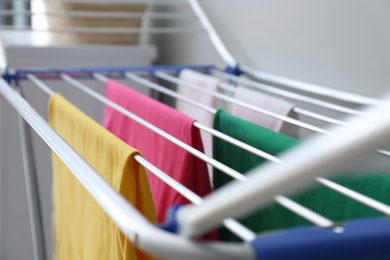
[81,229]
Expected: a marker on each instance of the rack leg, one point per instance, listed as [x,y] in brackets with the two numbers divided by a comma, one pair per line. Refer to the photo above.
[32,191]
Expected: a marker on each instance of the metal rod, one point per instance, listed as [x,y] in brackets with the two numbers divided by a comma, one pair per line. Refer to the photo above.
[379,206]
[97,14]
[313,217]
[152,2]
[295,109]
[169,92]
[227,87]
[236,227]
[52,72]
[303,112]
[243,104]
[40,84]
[237,143]
[383,152]
[284,93]
[312,88]
[317,116]
[34,205]
[214,132]
[212,33]
[107,30]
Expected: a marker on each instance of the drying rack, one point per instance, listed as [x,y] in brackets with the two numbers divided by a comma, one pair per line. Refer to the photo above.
[358,136]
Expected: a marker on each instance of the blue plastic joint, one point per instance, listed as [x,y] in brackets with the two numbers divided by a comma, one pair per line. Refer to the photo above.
[236,71]
[7,76]
[171,224]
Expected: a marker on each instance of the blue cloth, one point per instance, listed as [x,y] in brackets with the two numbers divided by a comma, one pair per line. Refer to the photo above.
[360,239]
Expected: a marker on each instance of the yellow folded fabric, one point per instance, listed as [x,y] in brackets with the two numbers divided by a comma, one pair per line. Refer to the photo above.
[81,228]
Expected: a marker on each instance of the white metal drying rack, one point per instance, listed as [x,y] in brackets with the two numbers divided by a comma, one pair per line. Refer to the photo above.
[215,39]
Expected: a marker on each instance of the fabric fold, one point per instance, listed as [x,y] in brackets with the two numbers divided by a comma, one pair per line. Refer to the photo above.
[82,230]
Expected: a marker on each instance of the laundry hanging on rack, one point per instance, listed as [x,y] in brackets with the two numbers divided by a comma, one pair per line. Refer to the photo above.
[319,199]
[377,182]
[176,162]
[81,228]
[229,100]
[368,239]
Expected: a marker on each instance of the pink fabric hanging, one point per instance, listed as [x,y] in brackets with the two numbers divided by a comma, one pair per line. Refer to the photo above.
[170,158]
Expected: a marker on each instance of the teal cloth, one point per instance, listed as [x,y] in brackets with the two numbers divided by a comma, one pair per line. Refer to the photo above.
[322,200]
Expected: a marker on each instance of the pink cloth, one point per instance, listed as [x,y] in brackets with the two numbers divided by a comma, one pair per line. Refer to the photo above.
[168,157]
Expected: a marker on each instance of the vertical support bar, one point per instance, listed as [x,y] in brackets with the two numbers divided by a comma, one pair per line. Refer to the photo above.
[3,58]
[212,33]
[2,192]
[145,24]
[34,205]
[20,20]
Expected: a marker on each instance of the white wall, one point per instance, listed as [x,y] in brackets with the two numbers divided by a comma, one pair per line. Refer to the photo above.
[340,44]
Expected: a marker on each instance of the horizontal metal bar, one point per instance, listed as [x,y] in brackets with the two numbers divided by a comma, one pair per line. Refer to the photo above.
[148,2]
[39,84]
[312,88]
[297,110]
[238,143]
[317,116]
[97,14]
[108,30]
[284,93]
[310,215]
[240,103]
[379,206]
[55,71]
[174,94]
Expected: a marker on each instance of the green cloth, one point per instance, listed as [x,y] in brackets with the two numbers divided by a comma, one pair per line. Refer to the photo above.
[322,200]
